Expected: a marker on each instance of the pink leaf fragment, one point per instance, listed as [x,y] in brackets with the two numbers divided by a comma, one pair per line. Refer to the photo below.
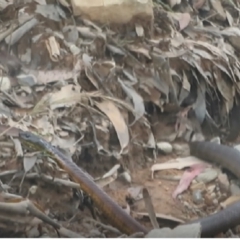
[187,178]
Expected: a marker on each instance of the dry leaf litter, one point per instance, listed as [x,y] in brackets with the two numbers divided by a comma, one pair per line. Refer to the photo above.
[120,105]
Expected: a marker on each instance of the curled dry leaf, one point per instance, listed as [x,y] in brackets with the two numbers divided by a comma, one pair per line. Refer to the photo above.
[104,181]
[117,120]
[182,18]
[66,97]
[149,206]
[162,217]
[112,171]
[178,163]
[136,98]
[187,178]
[51,11]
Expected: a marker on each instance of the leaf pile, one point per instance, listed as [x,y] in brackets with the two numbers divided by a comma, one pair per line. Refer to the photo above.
[106,97]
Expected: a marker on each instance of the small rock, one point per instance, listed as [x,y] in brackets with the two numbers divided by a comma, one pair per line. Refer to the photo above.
[208,200]
[221,197]
[125,176]
[216,140]
[165,147]
[223,182]
[215,201]
[211,188]
[207,176]
[5,83]
[26,80]
[197,196]
[237,147]
[213,195]
[194,181]
[181,149]
[182,231]
[234,189]
[198,137]
[94,233]
[197,186]
[33,233]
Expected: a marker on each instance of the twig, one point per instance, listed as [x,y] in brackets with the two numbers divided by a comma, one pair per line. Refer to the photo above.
[25,207]
[104,226]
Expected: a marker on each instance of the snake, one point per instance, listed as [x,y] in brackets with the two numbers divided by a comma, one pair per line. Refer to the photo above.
[112,211]
[226,156]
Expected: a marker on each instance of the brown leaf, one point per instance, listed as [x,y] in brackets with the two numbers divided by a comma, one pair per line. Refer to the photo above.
[136,98]
[217,6]
[118,121]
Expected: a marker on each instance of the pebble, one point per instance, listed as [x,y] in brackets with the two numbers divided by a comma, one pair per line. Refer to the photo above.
[181,149]
[182,231]
[94,233]
[216,140]
[197,196]
[207,176]
[33,233]
[211,188]
[223,182]
[165,147]
[5,83]
[197,186]
[215,201]
[208,200]
[213,195]
[237,147]
[26,80]
[125,176]
[234,189]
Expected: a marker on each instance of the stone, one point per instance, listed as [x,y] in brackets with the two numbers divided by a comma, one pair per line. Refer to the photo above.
[165,147]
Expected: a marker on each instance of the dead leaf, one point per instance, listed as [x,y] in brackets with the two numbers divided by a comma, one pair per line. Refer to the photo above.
[178,163]
[183,19]
[217,6]
[149,206]
[187,178]
[162,216]
[29,162]
[66,97]
[231,200]
[117,120]
[136,98]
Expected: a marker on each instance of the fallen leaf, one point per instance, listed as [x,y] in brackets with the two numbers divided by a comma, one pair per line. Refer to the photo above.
[66,97]
[149,206]
[178,163]
[187,178]
[136,98]
[135,193]
[162,216]
[117,120]
[231,200]
[29,162]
